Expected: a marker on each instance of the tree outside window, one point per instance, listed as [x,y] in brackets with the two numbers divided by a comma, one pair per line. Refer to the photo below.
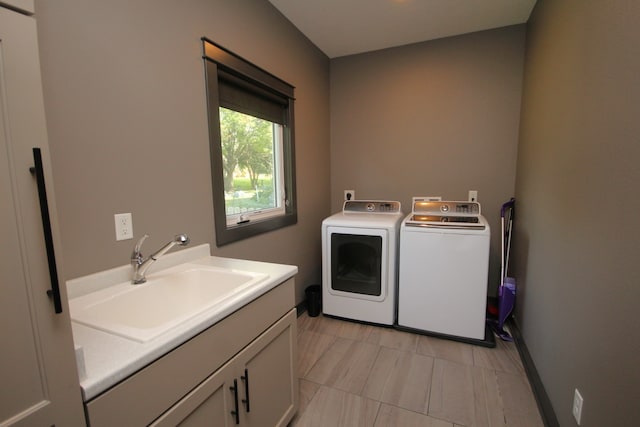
[248,150]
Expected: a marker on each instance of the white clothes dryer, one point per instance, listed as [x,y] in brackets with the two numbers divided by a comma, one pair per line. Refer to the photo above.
[359,261]
[443,271]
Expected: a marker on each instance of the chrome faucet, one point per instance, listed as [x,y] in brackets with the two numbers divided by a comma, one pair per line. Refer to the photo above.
[141,265]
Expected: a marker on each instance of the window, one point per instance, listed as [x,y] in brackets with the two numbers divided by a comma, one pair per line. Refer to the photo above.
[251,144]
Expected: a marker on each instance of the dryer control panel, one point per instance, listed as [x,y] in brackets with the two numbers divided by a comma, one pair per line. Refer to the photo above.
[371,206]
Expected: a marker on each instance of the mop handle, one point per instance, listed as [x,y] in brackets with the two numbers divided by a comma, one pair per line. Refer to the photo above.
[505,260]
[507,205]
[502,259]
[506,264]
[511,207]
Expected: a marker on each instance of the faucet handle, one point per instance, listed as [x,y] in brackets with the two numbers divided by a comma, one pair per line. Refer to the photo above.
[136,256]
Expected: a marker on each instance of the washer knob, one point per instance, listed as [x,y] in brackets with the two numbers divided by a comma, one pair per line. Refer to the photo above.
[371,207]
[444,208]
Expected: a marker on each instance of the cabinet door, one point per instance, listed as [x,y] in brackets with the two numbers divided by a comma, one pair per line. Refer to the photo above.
[269,383]
[258,387]
[209,404]
[37,366]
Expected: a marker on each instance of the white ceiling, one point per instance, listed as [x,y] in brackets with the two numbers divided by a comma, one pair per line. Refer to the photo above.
[347,27]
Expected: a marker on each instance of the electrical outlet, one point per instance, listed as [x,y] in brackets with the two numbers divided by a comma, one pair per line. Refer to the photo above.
[349,194]
[577,406]
[473,196]
[124,226]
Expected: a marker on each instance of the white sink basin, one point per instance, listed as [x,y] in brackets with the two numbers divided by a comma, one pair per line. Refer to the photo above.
[143,312]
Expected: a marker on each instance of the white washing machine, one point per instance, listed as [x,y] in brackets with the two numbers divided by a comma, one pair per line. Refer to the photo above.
[359,261]
[443,271]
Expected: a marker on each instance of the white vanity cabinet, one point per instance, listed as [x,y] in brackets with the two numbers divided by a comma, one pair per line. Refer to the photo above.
[40,385]
[255,388]
[197,383]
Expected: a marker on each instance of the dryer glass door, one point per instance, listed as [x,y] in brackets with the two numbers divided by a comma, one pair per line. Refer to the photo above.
[356,263]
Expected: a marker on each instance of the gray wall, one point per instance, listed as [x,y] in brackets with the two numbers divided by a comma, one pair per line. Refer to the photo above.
[430,119]
[126,110]
[577,241]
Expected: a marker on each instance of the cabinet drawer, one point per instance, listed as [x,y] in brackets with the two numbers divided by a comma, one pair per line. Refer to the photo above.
[155,388]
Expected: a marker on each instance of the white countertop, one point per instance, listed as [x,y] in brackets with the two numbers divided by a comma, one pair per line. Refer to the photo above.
[104,359]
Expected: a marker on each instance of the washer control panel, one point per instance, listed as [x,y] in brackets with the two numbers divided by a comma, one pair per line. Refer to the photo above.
[371,206]
[446,208]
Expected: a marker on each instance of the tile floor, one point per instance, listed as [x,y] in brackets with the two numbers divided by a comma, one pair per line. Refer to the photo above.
[361,375]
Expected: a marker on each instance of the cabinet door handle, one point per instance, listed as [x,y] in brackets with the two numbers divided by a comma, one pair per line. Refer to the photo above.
[38,171]
[234,389]
[245,378]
